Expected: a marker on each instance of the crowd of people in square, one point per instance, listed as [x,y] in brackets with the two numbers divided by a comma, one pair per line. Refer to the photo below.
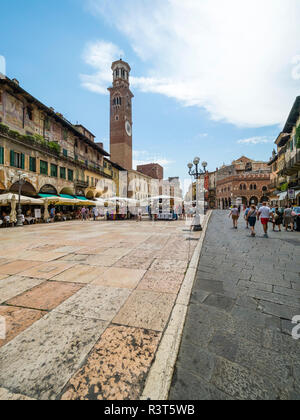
[287,217]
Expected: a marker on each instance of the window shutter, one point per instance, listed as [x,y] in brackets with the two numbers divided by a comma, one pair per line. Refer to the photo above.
[12,158]
[1,155]
[22,161]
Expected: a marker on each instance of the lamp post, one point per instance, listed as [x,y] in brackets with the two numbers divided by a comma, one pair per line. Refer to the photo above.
[21,183]
[197,173]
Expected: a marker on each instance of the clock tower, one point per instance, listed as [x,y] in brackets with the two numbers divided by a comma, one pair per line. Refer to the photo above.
[121,116]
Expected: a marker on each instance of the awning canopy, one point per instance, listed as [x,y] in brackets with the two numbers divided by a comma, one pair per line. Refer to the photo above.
[5,199]
[282,196]
[82,198]
[70,197]
[48,196]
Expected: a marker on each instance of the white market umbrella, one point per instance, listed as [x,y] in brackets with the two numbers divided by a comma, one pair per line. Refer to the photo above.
[5,199]
[13,214]
[46,212]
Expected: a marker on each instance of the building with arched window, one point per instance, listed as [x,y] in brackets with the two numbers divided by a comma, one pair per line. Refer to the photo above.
[244,182]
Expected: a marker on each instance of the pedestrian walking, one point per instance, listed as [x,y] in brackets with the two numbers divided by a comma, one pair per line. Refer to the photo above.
[288,218]
[235,214]
[264,215]
[52,214]
[251,219]
[246,216]
[83,213]
[277,219]
[139,215]
[95,213]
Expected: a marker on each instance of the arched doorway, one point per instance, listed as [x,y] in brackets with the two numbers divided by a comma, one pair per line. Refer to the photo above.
[90,195]
[254,200]
[264,199]
[48,189]
[67,191]
[27,189]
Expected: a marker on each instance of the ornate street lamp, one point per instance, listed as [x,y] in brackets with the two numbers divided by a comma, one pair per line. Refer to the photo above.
[197,174]
[21,183]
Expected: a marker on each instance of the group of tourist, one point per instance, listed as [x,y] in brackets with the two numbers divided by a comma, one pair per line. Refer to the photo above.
[278,217]
[27,219]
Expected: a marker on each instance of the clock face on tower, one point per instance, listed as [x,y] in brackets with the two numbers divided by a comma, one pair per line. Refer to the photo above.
[128,128]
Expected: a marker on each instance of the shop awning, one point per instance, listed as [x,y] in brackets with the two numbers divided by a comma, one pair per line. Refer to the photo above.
[70,197]
[5,199]
[49,196]
[60,199]
[282,196]
[81,198]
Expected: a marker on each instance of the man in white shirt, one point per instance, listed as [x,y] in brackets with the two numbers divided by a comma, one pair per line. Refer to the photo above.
[264,215]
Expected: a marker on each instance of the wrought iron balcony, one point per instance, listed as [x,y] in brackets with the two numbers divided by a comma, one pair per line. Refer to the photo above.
[80,183]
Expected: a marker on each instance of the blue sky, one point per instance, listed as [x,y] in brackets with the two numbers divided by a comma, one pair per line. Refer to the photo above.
[205,82]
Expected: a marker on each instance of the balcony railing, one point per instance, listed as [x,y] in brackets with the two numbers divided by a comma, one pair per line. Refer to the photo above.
[81,184]
[44,148]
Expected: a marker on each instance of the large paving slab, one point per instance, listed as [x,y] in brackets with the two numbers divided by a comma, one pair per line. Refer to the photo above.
[5,395]
[110,263]
[15,285]
[161,282]
[41,256]
[237,341]
[80,274]
[117,367]
[119,278]
[17,320]
[95,302]
[141,263]
[169,266]
[41,360]
[147,310]
[16,267]
[46,296]
[102,260]
[47,270]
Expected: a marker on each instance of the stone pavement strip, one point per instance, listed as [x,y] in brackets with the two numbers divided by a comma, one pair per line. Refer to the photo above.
[237,342]
[86,305]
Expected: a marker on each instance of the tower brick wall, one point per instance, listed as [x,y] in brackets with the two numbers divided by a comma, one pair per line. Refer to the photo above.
[121,116]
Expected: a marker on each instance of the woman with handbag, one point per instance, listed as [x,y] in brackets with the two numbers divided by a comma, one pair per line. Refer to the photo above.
[277,219]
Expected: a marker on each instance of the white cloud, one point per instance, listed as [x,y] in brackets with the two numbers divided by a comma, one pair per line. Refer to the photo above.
[99,55]
[141,157]
[231,57]
[256,140]
[296,67]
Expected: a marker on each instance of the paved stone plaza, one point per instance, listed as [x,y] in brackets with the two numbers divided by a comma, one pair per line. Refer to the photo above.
[237,340]
[86,304]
